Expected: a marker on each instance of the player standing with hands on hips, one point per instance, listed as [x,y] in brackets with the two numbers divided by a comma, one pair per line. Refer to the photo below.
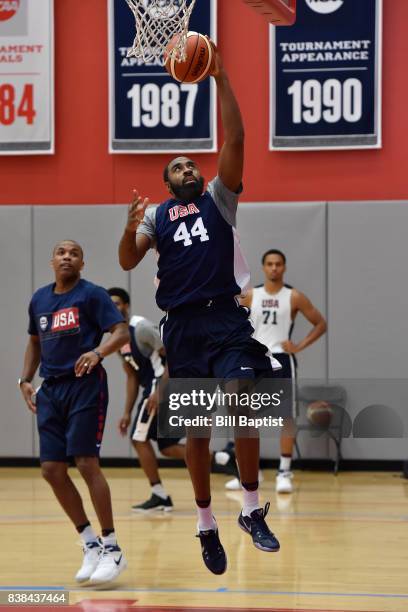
[205,332]
[67,320]
[274,307]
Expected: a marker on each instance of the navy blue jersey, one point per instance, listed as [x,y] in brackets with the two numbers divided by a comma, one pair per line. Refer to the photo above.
[69,324]
[198,247]
[143,351]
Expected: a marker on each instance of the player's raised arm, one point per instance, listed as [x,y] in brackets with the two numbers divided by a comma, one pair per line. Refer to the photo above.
[133,247]
[119,335]
[231,157]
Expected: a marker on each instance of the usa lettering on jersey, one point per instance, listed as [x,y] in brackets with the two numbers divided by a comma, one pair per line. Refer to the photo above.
[270,303]
[182,211]
[67,318]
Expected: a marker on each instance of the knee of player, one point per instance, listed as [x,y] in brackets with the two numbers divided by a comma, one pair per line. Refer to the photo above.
[138,445]
[170,451]
[87,466]
[289,426]
[54,472]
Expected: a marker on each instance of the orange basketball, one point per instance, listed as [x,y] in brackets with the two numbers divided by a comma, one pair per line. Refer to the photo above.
[319,413]
[199,61]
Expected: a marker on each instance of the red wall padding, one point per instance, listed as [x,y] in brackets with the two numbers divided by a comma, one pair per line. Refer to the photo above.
[82,171]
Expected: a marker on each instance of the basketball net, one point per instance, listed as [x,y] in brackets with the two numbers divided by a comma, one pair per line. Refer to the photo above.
[157,22]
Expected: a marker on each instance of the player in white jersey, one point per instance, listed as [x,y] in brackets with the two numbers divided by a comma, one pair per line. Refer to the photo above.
[274,307]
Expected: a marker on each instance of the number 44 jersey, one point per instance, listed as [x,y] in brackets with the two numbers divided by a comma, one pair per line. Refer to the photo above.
[198,246]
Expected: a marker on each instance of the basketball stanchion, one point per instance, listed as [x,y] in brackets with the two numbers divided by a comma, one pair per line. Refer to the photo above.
[277,12]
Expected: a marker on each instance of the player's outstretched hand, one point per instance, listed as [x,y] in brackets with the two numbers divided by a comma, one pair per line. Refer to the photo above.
[86,363]
[28,393]
[123,424]
[136,211]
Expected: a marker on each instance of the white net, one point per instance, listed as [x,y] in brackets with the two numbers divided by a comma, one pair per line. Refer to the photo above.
[157,22]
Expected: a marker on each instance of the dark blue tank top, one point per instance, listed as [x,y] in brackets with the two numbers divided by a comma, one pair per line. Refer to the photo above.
[196,253]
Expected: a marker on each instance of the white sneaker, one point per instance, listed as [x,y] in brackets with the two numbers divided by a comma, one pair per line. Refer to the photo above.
[235,483]
[111,564]
[92,553]
[284,482]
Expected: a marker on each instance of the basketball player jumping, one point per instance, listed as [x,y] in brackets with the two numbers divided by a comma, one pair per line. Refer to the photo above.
[205,332]
[274,307]
[67,320]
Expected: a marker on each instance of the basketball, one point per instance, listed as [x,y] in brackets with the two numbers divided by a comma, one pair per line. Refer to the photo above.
[199,61]
[319,413]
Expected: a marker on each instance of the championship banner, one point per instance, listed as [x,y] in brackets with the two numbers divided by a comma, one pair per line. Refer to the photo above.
[26,77]
[325,84]
[150,112]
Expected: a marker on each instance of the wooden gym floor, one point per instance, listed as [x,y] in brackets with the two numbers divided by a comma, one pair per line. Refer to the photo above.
[344,544]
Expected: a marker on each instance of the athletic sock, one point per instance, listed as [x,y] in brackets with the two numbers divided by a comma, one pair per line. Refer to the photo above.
[285,463]
[251,499]
[87,534]
[205,516]
[110,538]
[158,489]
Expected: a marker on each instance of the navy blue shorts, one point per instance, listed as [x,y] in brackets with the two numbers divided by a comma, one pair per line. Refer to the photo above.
[71,415]
[213,340]
[144,426]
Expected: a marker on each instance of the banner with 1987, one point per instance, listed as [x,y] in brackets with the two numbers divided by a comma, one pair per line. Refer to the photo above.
[26,77]
[326,77]
[150,112]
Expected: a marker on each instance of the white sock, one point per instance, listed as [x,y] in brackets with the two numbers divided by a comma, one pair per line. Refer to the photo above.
[88,535]
[284,465]
[109,540]
[158,490]
[205,519]
[251,501]
[221,457]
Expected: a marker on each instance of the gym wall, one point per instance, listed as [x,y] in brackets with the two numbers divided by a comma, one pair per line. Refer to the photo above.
[348,257]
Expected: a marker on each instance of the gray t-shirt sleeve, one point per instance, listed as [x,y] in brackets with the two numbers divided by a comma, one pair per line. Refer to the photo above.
[148,337]
[225,200]
[148,225]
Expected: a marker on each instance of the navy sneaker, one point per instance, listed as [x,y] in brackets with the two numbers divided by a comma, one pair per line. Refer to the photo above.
[212,550]
[255,525]
[154,503]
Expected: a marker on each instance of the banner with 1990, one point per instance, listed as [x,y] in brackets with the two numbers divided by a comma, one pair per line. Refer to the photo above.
[326,77]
